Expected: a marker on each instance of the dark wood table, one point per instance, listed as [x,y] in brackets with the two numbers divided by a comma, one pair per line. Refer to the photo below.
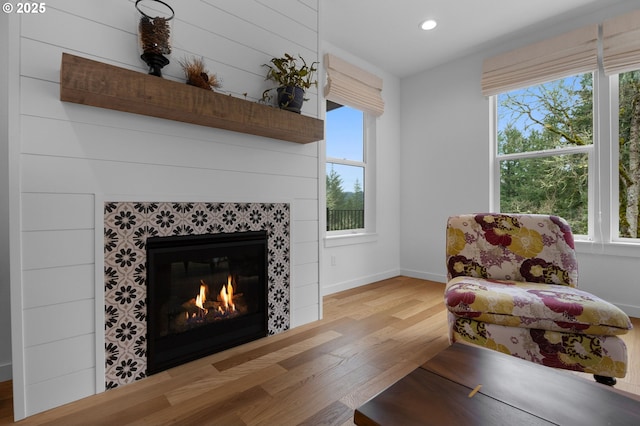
[513,392]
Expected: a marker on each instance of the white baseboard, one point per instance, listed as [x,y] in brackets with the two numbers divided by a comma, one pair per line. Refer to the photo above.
[440,278]
[632,311]
[347,285]
[5,372]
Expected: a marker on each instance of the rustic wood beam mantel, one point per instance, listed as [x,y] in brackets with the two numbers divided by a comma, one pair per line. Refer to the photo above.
[89,82]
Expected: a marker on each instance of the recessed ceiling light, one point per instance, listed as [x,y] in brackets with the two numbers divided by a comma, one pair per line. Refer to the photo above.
[429,24]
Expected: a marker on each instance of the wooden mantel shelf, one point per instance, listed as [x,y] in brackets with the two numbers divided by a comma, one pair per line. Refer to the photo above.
[88,82]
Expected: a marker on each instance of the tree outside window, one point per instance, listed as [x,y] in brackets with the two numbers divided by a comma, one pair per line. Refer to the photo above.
[345,173]
[545,144]
[629,154]
[545,139]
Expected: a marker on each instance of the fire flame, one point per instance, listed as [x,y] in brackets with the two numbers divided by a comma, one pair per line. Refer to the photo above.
[201,297]
[223,306]
[226,296]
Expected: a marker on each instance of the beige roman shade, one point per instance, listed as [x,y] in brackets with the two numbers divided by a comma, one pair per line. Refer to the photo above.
[570,53]
[621,43]
[350,85]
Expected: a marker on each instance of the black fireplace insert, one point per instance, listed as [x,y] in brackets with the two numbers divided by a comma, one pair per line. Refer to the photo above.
[206,293]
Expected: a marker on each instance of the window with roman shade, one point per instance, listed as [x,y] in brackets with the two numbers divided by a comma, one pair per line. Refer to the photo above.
[570,53]
[580,89]
[621,43]
[350,85]
[353,101]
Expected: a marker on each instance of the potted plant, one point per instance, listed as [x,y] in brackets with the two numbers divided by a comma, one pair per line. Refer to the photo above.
[293,79]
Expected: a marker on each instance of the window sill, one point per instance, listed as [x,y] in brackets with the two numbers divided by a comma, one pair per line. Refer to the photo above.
[616,248]
[349,239]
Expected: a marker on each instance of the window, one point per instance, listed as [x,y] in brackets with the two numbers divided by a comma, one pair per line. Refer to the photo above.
[628,111]
[354,100]
[570,145]
[346,168]
[552,154]
[544,148]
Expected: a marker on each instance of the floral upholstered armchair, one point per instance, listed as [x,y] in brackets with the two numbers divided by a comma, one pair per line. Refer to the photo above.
[513,288]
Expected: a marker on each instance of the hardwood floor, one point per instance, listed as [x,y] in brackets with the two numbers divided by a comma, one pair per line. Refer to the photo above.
[316,374]
[6,402]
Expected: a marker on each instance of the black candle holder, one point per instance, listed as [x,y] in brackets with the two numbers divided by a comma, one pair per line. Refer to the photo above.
[154,33]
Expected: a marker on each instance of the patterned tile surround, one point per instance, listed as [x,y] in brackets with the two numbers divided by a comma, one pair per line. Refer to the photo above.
[127,225]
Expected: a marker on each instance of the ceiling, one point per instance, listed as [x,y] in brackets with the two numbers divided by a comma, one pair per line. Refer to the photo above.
[387,34]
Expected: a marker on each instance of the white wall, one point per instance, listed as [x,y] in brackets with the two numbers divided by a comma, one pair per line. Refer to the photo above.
[446,169]
[357,262]
[445,126]
[5,307]
[72,156]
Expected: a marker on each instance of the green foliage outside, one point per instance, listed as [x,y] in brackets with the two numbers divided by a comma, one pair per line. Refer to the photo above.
[345,210]
[556,115]
[629,167]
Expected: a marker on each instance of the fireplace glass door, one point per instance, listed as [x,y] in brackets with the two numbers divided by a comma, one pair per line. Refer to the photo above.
[206,293]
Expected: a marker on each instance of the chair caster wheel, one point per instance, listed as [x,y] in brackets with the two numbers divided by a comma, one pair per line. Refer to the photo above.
[609,381]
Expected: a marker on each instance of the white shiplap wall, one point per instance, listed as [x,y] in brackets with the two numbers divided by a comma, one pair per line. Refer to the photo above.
[72,156]
[5,296]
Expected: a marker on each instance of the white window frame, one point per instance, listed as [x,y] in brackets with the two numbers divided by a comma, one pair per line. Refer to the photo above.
[603,192]
[614,226]
[587,149]
[368,233]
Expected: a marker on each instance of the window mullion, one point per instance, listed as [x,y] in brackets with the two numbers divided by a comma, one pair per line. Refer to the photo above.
[346,162]
[547,153]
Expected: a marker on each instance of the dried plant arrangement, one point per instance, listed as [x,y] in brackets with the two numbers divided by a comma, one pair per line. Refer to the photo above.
[197,75]
[155,35]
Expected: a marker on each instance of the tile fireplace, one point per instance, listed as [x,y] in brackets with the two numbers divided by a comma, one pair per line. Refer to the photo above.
[232,259]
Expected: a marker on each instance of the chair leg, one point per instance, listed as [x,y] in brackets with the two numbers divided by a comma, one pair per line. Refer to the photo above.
[609,381]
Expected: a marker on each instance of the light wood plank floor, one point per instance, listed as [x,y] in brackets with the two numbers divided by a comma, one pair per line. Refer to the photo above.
[316,374]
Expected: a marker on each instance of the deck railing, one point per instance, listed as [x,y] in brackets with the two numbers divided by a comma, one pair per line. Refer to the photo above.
[338,220]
